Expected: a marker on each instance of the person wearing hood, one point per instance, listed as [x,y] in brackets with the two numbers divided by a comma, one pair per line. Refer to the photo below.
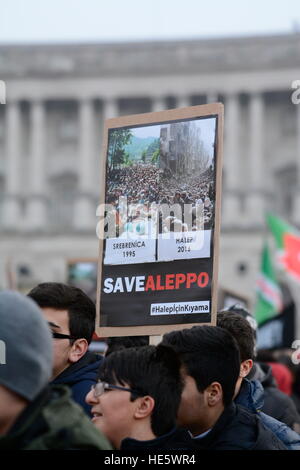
[250,393]
[70,314]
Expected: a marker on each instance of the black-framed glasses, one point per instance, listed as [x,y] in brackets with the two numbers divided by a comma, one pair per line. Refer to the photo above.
[100,387]
[61,336]
[56,335]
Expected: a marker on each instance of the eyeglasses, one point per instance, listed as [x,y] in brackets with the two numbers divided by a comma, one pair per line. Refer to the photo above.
[61,336]
[101,387]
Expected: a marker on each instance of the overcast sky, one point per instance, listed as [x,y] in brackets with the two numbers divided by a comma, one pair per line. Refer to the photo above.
[133,20]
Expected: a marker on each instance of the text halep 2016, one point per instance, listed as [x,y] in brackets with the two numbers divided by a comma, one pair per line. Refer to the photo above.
[155,283]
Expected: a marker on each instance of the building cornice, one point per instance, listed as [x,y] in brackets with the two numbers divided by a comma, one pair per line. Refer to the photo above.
[150,58]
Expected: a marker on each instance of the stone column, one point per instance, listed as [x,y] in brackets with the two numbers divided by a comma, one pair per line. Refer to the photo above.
[183,101]
[296,204]
[255,199]
[230,201]
[110,109]
[158,103]
[85,208]
[11,208]
[211,97]
[36,210]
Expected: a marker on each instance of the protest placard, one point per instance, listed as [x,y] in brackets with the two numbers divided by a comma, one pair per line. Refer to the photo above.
[160,221]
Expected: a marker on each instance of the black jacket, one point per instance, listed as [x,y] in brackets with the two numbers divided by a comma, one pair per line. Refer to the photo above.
[177,440]
[276,403]
[237,429]
[80,376]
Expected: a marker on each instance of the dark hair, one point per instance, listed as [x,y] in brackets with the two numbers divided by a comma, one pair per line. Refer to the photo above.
[80,307]
[150,370]
[240,329]
[237,308]
[125,342]
[210,354]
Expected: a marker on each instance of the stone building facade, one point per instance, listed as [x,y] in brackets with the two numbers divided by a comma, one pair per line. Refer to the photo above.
[51,135]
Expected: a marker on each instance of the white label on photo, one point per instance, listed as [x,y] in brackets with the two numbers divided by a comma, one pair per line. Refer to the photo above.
[184,245]
[129,251]
[180,308]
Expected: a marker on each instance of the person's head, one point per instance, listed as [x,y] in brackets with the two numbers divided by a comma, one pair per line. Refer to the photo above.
[240,328]
[26,359]
[125,342]
[211,365]
[145,403]
[243,312]
[71,317]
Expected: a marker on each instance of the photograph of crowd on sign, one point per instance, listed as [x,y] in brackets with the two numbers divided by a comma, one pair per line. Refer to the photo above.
[160,192]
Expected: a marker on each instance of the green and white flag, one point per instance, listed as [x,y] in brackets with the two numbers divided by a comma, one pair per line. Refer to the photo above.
[269,295]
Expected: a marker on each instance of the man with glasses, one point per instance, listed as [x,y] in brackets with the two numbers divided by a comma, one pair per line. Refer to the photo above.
[135,402]
[71,317]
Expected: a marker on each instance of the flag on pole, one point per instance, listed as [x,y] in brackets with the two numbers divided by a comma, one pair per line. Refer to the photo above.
[287,240]
[269,296]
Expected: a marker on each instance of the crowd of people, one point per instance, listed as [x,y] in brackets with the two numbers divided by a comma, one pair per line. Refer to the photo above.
[200,388]
[144,192]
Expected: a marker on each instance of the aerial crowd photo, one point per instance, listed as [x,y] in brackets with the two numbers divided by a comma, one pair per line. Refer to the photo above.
[158,171]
